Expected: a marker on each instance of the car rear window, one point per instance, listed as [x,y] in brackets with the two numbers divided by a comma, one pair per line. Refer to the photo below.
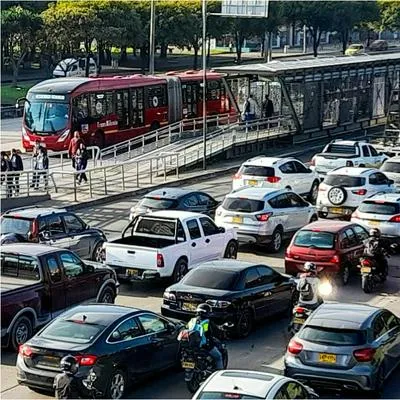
[391,167]
[344,180]
[386,208]
[315,239]
[341,149]
[333,337]
[150,226]
[256,170]
[18,225]
[211,278]
[226,395]
[160,204]
[242,205]
[22,267]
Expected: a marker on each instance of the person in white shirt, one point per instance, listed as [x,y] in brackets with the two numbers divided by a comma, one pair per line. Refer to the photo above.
[249,109]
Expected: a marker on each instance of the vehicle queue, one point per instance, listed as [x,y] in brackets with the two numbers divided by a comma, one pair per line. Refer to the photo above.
[337,345]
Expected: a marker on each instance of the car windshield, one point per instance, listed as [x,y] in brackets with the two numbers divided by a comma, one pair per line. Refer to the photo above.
[225,395]
[386,208]
[211,278]
[256,170]
[344,180]
[20,226]
[160,204]
[46,117]
[389,166]
[315,239]
[242,205]
[333,337]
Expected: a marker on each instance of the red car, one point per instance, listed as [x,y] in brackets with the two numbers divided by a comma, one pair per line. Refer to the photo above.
[334,246]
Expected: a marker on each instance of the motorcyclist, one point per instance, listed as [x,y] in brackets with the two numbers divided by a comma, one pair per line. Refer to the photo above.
[376,248]
[65,383]
[308,286]
[209,330]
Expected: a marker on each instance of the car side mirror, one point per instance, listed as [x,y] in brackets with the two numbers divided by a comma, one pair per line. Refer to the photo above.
[221,229]
[390,182]
[171,328]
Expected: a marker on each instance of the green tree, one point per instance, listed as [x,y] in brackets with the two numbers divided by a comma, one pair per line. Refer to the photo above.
[389,14]
[19,29]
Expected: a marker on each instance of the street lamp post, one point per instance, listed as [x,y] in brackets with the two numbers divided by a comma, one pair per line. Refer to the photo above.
[152,37]
[204,12]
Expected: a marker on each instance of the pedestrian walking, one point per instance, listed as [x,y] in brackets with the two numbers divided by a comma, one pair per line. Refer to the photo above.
[42,166]
[17,166]
[81,158]
[249,110]
[74,146]
[267,107]
[4,166]
[6,174]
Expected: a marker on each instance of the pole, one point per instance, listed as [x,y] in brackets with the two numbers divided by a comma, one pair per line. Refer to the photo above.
[203,48]
[152,37]
[304,39]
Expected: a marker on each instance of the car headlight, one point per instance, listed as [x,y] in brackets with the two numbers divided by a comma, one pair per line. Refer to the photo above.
[169,296]
[63,136]
[218,303]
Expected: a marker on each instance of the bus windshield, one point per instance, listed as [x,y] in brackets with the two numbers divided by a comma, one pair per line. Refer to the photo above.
[46,116]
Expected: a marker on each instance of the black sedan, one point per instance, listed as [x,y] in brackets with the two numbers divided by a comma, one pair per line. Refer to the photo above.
[120,344]
[175,199]
[239,293]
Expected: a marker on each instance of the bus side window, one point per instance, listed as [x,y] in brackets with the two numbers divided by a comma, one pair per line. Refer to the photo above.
[81,108]
[157,96]
[123,108]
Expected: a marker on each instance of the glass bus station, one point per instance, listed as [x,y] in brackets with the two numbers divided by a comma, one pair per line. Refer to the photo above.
[323,96]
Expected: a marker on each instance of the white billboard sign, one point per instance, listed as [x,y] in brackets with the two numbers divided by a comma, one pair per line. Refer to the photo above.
[245,8]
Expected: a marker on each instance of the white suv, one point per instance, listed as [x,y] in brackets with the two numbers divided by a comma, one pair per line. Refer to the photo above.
[264,215]
[345,188]
[278,173]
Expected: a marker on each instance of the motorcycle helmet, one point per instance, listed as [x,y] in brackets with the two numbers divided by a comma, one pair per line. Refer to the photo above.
[203,310]
[69,365]
[310,267]
[374,232]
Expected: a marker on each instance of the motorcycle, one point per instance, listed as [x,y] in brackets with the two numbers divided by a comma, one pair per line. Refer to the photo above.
[196,361]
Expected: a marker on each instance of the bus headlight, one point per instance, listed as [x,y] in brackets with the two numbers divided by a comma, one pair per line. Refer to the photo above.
[25,134]
[63,136]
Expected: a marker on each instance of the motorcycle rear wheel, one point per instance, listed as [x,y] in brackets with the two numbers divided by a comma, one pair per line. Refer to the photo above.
[366,284]
[194,383]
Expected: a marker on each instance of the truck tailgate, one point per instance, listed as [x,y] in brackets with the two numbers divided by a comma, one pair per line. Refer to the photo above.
[130,256]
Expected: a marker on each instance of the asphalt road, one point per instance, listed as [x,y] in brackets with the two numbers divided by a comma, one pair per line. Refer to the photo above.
[263,350]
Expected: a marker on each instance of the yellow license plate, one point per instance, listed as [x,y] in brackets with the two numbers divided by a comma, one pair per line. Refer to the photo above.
[188,365]
[336,210]
[374,223]
[299,321]
[252,182]
[365,270]
[327,358]
[189,306]
[237,220]
[132,272]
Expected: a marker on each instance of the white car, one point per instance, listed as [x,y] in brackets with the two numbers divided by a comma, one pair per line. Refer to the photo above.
[242,384]
[381,211]
[278,173]
[344,189]
[264,215]
[391,168]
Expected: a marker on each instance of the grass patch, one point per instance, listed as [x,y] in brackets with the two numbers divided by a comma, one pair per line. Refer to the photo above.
[10,94]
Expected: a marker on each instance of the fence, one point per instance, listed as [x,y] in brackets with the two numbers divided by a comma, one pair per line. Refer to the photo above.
[11,112]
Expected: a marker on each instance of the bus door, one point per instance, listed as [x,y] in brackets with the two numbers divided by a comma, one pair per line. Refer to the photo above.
[190,99]
[122,108]
[137,107]
[174,99]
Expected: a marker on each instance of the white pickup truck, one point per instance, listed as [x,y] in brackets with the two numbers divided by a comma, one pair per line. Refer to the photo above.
[167,244]
[346,153]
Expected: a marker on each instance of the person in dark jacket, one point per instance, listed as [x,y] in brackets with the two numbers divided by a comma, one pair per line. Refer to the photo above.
[267,107]
[4,165]
[81,160]
[17,166]
[6,169]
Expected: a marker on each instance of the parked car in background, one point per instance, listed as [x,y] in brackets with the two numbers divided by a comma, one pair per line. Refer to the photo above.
[166,244]
[345,188]
[345,346]
[39,282]
[391,168]
[264,215]
[355,49]
[241,384]
[55,227]
[334,246]
[379,45]
[120,344]
[238,292]
[72,67]
[175,199]
[381,211]
[278,173]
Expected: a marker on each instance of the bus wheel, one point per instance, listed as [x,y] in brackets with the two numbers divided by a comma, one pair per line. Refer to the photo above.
[98,139]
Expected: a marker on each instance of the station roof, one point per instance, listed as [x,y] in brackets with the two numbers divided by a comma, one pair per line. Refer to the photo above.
[281,67]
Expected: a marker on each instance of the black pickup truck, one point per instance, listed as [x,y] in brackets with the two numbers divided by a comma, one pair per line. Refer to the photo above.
[39,282]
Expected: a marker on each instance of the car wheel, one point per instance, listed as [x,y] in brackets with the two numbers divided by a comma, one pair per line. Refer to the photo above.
[312,197]
[21,331]
[244,324]
[344,275]
[116,386]
[107,296]
[98,252]
[231,250]
[276,241]
[180,270]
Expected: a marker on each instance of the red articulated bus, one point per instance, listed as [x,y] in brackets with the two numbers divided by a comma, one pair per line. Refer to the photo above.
[109,110]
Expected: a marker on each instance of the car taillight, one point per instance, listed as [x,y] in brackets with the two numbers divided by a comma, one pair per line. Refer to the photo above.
[86,360]
[366,263]
[360,192]
[299,309]
[335,259]
[237,176]
[322,187]
[263,217]
[364,355]
[395,218]
[349,164]
[312,162]
[35,229]
[294,347]
[288,253]
[272,179]
[160,261]
[25,350]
